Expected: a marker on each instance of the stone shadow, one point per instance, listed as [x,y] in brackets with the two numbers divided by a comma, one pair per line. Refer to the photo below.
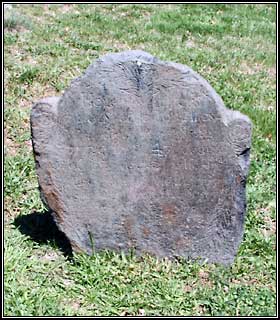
[42,229]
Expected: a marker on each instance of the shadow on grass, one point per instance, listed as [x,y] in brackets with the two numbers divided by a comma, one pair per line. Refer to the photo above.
[41,228]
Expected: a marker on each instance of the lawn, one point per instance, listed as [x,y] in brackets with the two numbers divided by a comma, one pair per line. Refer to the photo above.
[45,46]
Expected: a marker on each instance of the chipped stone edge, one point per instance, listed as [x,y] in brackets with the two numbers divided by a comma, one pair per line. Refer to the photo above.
[48,107]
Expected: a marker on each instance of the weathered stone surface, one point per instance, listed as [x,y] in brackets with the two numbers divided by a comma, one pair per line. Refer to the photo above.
[140,153]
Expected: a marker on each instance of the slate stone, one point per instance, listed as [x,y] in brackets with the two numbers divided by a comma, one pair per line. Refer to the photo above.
[142,154]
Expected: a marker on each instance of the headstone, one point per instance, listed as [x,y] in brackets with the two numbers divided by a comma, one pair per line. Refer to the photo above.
[142,154]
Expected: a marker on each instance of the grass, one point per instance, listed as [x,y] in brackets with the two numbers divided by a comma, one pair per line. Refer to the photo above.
[45,47]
